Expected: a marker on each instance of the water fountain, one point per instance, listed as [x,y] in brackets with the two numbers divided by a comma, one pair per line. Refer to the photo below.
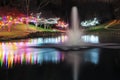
[75,42]
[75,34]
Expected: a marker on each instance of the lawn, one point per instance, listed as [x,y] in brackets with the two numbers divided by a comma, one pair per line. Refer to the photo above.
[109,26]
[42,29]
[21,30]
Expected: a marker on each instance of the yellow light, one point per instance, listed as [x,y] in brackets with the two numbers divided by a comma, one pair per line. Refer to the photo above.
[10,60]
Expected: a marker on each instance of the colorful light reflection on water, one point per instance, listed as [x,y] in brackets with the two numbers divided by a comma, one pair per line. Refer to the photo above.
[13,53]
[43,55]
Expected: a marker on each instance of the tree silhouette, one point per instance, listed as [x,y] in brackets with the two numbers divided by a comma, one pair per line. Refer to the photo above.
[42,3]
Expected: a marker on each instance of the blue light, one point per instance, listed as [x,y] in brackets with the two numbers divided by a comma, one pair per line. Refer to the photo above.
[92,56]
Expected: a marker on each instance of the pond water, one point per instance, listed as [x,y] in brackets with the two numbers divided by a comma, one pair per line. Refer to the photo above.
[18,62]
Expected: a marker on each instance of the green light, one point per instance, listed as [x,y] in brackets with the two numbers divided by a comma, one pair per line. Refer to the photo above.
[1,63]
[32,60]
[11,18]
[0,18]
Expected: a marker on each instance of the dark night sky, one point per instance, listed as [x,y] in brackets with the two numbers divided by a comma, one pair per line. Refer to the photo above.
[103,9]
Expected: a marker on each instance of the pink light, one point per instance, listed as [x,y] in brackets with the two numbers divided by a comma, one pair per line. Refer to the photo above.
[62,24]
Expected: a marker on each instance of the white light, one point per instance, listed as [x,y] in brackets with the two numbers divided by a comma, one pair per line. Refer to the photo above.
[90,22]
[90,38]
[45,21]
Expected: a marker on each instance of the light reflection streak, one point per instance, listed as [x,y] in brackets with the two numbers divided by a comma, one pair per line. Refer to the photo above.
[13,53]
[92,56]
[11,59]
[90,38]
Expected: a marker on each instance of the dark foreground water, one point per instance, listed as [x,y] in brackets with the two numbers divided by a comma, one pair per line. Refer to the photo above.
[18,62]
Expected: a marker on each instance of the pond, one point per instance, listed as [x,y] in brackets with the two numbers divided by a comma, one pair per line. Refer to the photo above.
[18,62]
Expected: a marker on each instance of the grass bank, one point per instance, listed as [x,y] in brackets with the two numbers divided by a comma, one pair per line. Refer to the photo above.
[23,31]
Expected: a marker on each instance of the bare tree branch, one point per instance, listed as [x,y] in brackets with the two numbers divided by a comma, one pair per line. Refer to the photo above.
[43,4]
[43,1]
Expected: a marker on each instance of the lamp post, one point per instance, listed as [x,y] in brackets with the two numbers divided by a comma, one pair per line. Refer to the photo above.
[27,9]
[27,6]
